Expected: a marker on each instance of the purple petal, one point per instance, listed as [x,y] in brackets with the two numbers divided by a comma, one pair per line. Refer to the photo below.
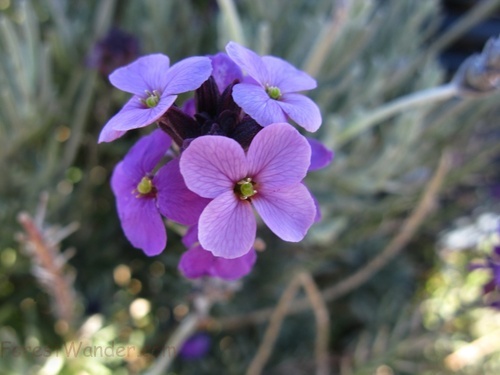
[147,152]
[175,200]
[255,101]
[197,346]
[286,77]
[146,73]
[318,215]
[187,75]
[135,114]
[212,165]
[189,107]
[302,110]
[249,61]
[141,222]
[224,71]
[108,134]
[227,226]
[198,262]
[191,236]
[289,212]
[320,155]
[278,157]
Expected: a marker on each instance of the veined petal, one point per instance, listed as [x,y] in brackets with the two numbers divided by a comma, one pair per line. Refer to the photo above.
[141,222]
[135,114]
[321,157]
[302,110]
[285,76]
[186,75]
[212,164]
[257,104]
[233,269]
[143,74]
[227,226]
[289,212]
[175,201]
[249,61]
[278,156]
[147,152]
[108,134]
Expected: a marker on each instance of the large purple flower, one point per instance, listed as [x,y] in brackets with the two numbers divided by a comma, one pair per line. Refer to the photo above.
[155,86]
[268,178]
[272,96]
[142,197]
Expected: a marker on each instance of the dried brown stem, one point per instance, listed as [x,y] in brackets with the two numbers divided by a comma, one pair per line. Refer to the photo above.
[396,245]
[49,263]
[280,312]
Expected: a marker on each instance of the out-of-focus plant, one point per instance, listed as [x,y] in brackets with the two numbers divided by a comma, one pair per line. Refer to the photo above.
[388,113]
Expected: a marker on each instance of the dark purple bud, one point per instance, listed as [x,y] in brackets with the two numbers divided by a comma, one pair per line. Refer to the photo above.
[178,125]
[196,347]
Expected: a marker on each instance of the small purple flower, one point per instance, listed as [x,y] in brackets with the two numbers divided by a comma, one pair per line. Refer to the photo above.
[271,96]
[196,347]
[268,177]
[492,287]
[142,197]
[198,262]
[155,86]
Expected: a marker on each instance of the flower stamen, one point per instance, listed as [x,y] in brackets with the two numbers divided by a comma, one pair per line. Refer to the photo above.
[144,187]
[245,188]
[152,100]
[273,92]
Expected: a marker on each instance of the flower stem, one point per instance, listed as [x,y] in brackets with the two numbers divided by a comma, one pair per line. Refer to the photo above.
[387,110]
[234,27]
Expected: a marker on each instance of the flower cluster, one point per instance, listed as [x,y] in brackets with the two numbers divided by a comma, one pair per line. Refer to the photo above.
[216,158]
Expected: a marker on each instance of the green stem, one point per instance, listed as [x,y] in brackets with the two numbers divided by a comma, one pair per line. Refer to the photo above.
[235,29]
[398,105]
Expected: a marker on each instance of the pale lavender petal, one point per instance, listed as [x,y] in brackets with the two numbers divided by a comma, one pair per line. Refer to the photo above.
[175,201]
[187,75]
[255,101]
[289,212]
[286,77]
[212,165]
[318,216]
[146,73]
[249,61]
[141,222]
[227,226]
[224,71]
[302,110]
[321,157]
[146,153]
[135,114]
[278,156]
[191,236]
[108,134]
[198,262]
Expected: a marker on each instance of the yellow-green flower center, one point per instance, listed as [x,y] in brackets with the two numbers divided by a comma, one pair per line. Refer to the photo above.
[152,100]
[145,186]
[273,92]
[245,188]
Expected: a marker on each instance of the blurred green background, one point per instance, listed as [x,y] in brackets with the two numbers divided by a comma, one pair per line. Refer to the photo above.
[412,317]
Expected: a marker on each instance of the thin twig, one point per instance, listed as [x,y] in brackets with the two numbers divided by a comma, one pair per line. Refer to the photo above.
[322,325]
[327,37]
[408,230]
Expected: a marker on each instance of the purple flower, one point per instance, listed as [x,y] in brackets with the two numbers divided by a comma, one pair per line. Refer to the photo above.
[155,87]
[197,346]
[492,287]
[198,262]
[142,197]
[272,96]
[268,177]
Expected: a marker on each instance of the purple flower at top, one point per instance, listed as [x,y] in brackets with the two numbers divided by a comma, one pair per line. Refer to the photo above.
[155,86]
[196,347]
[268,177]
[142,197]
[271,96]
[321,157]
[198,262]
